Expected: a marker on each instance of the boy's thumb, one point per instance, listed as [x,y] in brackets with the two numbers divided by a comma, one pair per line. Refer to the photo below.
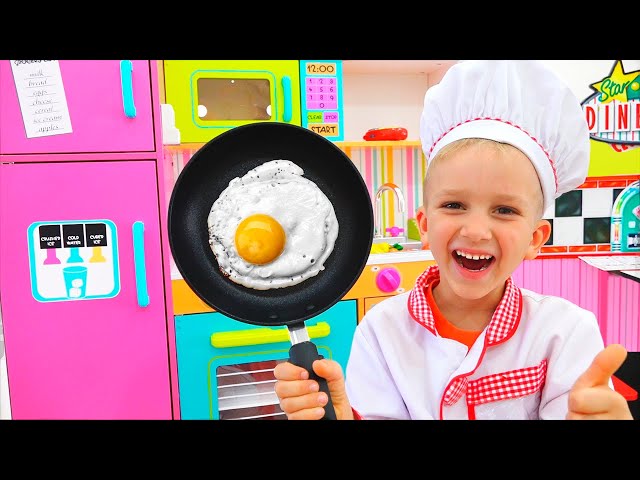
[604,365]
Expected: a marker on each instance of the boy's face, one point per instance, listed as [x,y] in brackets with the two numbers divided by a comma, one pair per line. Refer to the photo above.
[482,207]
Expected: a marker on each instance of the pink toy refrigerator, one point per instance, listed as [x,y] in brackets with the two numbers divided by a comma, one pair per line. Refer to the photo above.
[84,289]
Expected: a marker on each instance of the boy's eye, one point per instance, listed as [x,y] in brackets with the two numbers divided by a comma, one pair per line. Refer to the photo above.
[452,205]
[505,210]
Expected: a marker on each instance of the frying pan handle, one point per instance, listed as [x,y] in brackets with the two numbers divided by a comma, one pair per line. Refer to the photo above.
[303,354]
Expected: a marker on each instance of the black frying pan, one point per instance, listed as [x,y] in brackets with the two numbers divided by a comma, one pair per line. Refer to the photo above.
[208,173]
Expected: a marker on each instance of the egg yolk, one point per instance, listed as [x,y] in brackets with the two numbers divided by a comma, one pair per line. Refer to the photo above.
[259,239]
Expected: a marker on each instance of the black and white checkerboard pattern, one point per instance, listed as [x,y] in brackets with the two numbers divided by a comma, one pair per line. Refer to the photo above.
[582,217]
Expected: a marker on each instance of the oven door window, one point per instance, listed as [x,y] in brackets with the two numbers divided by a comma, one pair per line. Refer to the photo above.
[221,99]
[246,391]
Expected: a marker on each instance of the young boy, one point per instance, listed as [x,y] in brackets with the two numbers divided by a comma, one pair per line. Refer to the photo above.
[502,140]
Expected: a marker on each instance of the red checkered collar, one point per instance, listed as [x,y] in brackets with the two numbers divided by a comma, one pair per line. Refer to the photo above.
[503,323]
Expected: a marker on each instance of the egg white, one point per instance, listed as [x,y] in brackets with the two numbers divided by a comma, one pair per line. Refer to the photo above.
[275,188]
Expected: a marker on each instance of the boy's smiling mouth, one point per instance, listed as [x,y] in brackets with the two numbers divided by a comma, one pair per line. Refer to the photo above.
[472,261]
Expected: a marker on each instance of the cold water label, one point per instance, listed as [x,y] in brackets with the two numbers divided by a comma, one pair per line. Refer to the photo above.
[73,260]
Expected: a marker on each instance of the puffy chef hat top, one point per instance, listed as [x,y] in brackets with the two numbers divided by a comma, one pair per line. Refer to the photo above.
[519,102]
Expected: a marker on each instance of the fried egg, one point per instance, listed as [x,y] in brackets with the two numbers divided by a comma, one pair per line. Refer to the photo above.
[272,228]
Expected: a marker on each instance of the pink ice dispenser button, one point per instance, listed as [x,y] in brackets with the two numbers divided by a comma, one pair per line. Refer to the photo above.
[388,279]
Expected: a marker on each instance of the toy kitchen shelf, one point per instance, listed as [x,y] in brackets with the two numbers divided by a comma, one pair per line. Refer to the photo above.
[383,143]
[363,143]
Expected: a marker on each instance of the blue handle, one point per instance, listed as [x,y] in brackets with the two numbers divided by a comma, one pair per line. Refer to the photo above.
[126,76]
[288,108]
[138,259]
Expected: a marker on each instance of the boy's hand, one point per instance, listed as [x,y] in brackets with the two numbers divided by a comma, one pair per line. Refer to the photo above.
[300,397]
[591,398]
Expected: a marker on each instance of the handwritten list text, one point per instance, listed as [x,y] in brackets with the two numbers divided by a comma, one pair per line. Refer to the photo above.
[42,99]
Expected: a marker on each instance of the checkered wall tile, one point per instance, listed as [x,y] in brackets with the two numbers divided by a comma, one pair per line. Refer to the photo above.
[582,216]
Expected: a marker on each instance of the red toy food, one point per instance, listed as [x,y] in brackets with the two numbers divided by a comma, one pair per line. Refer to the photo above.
[394,133]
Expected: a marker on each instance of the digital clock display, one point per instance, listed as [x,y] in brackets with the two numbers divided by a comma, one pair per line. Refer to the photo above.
[317,68]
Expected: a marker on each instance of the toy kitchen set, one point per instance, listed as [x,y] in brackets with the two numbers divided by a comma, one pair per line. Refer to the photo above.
[87,316]
[98,323]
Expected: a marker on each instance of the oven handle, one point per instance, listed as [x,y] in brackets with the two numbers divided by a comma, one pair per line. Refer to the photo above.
[288,108]
[260,336]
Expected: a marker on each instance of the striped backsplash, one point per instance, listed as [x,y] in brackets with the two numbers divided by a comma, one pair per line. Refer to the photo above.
[403,165]
[614,300]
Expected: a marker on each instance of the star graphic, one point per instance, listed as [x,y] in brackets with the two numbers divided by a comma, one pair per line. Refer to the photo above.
[618,84]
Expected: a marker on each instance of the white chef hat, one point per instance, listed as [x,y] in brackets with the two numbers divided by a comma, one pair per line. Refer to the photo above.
[519,102]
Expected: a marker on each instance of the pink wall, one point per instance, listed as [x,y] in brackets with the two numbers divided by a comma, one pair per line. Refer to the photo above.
[613,299]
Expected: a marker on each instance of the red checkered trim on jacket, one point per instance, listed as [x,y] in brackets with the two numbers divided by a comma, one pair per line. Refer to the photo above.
[504,320]
[456,389]
[503,386]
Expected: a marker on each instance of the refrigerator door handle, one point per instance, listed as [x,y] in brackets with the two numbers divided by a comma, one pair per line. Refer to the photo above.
[139,263]
[126,79]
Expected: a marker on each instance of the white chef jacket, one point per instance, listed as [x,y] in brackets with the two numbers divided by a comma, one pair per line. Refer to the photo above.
[522,365]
